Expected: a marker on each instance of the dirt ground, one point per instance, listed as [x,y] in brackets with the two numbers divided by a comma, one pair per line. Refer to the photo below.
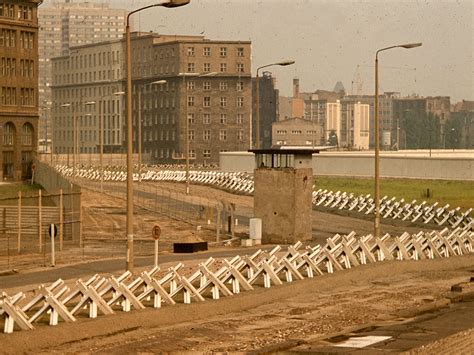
[259,320]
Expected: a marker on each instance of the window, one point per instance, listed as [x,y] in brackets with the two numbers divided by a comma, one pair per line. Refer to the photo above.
[206,153]
[191,135]
[223,51]
[223,101]
[206,135]
[206,118]
[191,119]
[207,101]
[190,85]
[192,154]
[207,67]
[281,131]
[190,100]
[296,131]
[240,68]
[240,51]
[240,135]
[240,101]
[240,118]
[8,134]
[223,135]
[240,86]
[223,85]
[190,67]
[223,67]
[190,51]
[223,119]
[206,51]
[206,85]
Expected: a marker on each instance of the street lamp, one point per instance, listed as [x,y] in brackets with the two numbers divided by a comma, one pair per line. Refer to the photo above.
[101,136]
[129,227]
[184,75]
[158,82]
[257,103]
[377,135]
[74,133]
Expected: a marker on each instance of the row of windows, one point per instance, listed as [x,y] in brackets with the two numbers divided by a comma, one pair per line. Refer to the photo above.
[222,101]
[23,12]
[8,67]
[8,96]
[8,39]
[206,118]
[207,68]
[206,135]
[9,134]
[295,131]
[206,51]
[206,85]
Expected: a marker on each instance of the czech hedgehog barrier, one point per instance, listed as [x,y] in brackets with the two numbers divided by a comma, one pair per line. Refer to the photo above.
[107,295]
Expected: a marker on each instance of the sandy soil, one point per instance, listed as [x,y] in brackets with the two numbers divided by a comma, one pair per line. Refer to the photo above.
[262,319]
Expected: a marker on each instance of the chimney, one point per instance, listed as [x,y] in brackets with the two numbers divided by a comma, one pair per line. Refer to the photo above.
[296,88]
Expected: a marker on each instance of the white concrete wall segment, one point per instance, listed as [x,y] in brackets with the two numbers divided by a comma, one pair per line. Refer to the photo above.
[442,165]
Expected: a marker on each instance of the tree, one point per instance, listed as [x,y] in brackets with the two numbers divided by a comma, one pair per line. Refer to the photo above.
[332,140]
[422,130]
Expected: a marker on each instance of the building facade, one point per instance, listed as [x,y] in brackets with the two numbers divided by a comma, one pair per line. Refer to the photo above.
[18,87]
[354,132]
[268,104]
[65,24]
[185,89]
[296,132]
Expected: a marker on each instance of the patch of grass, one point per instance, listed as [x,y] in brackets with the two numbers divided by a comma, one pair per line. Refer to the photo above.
[454,193]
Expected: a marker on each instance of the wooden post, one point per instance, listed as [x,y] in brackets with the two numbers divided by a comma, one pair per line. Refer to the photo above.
[19,222]
[40,222]
[61,220]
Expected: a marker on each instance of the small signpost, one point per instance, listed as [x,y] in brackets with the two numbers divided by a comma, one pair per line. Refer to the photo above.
[155,233]
[53,232]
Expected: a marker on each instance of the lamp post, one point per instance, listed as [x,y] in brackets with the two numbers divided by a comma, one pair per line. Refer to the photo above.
[377,135]
[101,135]
[74,133]
[128,48]
[257,102]
[184,75]
[158,82]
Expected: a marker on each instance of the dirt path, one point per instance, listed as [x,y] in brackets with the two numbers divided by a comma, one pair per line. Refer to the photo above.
[261,319]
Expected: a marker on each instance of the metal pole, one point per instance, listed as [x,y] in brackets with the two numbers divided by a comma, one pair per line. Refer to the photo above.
[156,252]
[101,144]
[52,230]
[187,133]
[129,224]
[257,113]
[139,135]
[74,142]
[377,152]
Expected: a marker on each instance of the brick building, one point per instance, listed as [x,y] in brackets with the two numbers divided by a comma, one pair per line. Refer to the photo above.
[18,87]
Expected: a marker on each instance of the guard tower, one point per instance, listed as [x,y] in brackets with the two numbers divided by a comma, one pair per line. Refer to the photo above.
[283,185]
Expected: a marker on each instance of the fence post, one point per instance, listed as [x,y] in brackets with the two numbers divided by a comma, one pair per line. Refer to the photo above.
[19,222]
[61,220]
[81,242]
[40,222]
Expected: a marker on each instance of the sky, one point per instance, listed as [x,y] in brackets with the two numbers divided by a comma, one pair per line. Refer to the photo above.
[336,40]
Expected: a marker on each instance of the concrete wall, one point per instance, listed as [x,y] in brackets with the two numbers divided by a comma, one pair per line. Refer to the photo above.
[442,165]
[286,215]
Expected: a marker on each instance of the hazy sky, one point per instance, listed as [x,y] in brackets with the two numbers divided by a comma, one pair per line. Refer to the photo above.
[329,39]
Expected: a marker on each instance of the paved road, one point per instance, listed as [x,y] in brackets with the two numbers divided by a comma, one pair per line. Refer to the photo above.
[404,336]
[109,266]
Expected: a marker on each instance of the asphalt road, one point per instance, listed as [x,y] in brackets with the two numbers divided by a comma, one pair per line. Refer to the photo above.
[403,335]
[85,270]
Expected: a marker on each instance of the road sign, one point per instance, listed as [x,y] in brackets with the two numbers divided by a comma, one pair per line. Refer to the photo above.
[156,232]
[52,230]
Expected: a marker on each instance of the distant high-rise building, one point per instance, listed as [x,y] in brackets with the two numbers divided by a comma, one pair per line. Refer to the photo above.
[18,87]
[268,104]
[184,88]
[65,24]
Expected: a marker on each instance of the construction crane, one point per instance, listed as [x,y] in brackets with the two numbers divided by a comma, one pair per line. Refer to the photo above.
[359,83]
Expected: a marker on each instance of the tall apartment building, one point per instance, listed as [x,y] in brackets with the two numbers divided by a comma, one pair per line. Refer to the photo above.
[65,24]
[203,94]
[268,106]
[354,132]
[18,87]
